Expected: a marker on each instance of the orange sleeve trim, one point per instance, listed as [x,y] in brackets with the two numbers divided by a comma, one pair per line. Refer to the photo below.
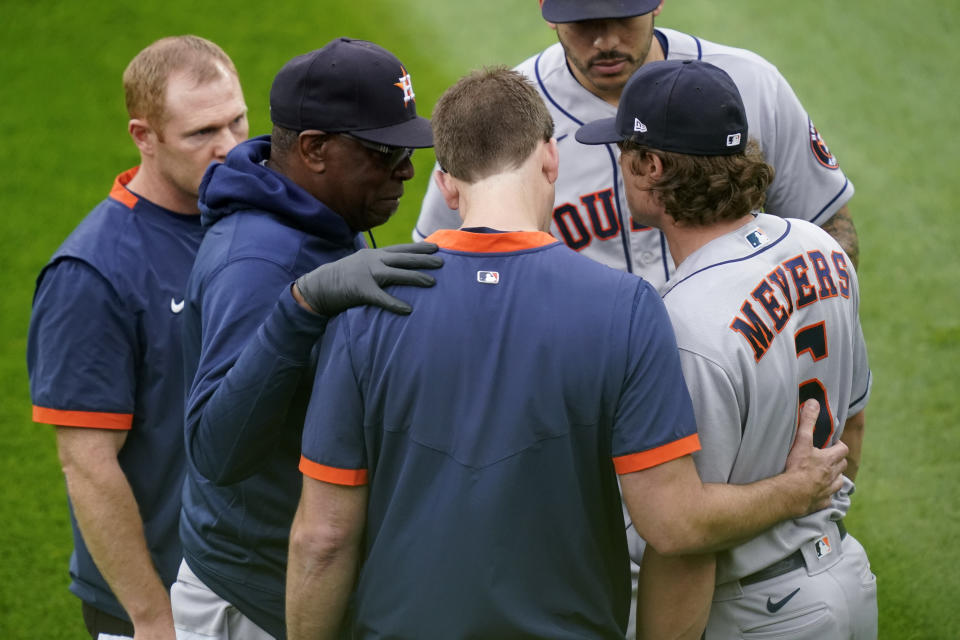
[653,457]
[119,191]
[96,420]
[333,475]
[470,242]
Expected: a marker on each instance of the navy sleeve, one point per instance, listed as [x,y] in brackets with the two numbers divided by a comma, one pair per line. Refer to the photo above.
[81,350]
[254,349]
[333,445]
[654,420]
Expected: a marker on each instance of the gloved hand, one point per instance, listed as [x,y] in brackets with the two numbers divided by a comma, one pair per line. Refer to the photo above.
[358,278]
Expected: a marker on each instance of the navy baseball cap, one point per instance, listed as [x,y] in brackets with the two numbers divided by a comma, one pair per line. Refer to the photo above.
[686,106]
[350,86]
[577,10]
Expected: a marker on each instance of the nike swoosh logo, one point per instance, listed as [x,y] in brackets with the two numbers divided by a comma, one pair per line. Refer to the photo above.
[175,306]
[773,607]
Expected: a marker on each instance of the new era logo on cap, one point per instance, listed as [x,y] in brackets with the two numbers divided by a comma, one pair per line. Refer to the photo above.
[639,126]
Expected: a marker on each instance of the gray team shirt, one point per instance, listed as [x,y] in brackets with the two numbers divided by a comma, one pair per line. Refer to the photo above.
[761,315]
[590,209]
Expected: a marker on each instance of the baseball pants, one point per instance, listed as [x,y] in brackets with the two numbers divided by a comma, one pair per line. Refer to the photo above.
[824,599]
[200,614]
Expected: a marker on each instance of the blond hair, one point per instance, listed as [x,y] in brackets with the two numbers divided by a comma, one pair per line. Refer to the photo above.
[145,78]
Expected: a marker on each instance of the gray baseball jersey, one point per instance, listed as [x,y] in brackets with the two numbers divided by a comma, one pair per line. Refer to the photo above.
[590,210]
[765,315]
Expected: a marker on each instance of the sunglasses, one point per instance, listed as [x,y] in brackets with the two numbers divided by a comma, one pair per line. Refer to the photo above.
[390,156]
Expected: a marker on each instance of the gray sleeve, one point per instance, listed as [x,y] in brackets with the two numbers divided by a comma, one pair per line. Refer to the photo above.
[717,409]
[809,182]
[434,213]
[862,377]
[863,380]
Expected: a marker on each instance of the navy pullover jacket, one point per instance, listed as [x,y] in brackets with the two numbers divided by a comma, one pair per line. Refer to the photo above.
[249,352]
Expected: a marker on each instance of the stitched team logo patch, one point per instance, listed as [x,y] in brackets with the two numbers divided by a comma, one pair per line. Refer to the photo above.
[406,85]
[488,277]
[820,150]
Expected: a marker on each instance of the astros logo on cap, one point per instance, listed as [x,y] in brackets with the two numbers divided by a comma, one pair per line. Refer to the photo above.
[406,85]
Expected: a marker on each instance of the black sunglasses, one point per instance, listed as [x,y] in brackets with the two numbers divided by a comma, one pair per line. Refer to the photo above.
[391,156]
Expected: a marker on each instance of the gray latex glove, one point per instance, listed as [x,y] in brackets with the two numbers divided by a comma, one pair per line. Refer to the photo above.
[358,278]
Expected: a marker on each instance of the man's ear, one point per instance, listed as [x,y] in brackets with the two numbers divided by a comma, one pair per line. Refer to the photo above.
[553,25]
[659,8]
[649,164]
[654,166]
[448,188]
[551,161]
[143,136]
[314,148]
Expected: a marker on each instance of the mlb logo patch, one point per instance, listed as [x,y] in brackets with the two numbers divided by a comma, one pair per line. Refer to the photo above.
[757,238]
[823,546]
[733,139]
[488,277]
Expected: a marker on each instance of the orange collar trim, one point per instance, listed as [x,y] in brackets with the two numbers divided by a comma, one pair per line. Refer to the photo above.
[507,241]
[119,191]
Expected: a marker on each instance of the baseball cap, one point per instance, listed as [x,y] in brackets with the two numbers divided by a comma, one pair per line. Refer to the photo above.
[684,106]
[350,86]
[577,10]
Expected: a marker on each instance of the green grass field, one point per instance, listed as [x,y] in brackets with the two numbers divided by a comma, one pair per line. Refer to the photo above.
[880,84]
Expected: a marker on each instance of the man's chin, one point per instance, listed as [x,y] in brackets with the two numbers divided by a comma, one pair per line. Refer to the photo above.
[386,208]
[378,214]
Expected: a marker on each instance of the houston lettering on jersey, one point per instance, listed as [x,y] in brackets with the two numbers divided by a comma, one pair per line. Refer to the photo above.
[597,218]
[794,284]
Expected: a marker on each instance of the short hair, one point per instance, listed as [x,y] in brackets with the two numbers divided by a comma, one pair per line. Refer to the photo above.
[282,141]
[702,190]
[145,78]
[489,121]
